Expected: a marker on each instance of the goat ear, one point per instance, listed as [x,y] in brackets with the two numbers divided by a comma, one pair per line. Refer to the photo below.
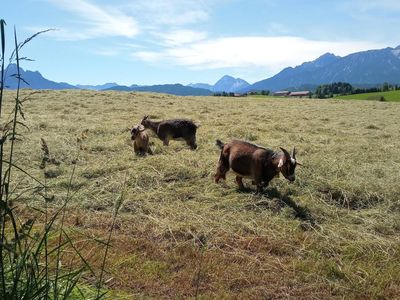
[287,155]
[146,117]
[294,153]
[280,164]
[299,164]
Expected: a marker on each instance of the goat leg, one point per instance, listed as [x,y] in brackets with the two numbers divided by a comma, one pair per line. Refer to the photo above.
[136,149]
[192,142]
[259,185]
[222,169]
[239,182]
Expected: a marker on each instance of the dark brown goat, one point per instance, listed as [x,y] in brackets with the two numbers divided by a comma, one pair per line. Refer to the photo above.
[140,140]
[173,130]
[251,161]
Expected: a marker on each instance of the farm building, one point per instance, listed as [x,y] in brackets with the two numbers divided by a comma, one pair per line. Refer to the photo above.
[300,94]
[282,93]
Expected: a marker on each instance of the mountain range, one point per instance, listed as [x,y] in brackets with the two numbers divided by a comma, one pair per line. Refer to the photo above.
[96,87]
[225,84]
[370,67]
[366,68]
[33,80]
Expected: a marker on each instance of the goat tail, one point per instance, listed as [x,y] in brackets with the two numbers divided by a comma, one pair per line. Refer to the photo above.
[219,144]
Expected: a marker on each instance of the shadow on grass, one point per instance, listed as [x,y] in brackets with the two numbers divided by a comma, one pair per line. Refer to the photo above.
[276,201]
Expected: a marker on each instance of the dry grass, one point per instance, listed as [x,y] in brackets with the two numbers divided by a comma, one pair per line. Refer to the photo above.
[334,233]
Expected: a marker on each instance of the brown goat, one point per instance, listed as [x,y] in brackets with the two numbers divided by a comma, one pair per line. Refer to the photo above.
[173,130]
[251,161]
[140,140]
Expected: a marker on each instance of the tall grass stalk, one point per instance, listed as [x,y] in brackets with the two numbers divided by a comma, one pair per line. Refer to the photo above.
[29,265]
[3,51]
[16,256]
[3,213]
[7,175]
[45,150]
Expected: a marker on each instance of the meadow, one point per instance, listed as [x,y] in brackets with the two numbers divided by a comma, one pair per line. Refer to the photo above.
[333,233]
[393,96]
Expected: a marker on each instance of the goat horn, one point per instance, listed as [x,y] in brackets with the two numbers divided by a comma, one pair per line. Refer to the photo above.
[294,153]
[285,152]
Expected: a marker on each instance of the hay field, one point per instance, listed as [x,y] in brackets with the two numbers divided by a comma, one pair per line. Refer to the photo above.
[333,233]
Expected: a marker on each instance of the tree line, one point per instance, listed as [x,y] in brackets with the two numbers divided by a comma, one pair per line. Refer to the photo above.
[344,88]
[325,90]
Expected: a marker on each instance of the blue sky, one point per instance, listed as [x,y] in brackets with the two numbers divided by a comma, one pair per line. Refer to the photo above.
[171,41]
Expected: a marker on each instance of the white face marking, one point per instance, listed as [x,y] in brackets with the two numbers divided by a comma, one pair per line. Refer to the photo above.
[293,160]
[280,163]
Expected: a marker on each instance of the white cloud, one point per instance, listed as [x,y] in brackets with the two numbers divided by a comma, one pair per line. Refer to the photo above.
[171,12]
[148,56]
[273,53]
[96,21]
[181,37]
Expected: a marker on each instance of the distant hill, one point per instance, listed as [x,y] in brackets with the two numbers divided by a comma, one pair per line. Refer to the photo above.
[174,89]
[119,88]
[96,87]
[205,86]
[35,80]
[360,69]
[225,84]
